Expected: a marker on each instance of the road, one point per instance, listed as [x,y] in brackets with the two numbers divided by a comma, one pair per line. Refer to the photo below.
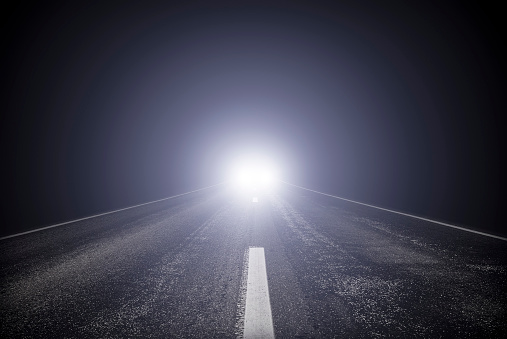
[180,268]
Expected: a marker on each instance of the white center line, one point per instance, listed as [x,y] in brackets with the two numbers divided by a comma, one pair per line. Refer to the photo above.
[258,320]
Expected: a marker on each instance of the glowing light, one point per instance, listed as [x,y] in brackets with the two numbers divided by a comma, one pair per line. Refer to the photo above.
[254,173]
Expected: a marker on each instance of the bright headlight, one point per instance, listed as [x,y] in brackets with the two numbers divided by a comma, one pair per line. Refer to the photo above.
[254,173]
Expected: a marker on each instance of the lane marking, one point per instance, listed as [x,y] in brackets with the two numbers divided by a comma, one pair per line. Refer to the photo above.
[101,214]
[258,319]
[401,213]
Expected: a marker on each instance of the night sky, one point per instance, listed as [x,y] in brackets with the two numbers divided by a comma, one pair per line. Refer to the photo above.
[108,105]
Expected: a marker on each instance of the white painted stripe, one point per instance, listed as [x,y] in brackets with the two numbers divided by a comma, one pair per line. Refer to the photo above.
[111,212]
[258,320]
[401,213]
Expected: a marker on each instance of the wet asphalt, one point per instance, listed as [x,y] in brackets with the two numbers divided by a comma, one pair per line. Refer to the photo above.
[177,268]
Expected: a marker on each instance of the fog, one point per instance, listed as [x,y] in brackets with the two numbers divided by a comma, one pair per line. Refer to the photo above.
[394,105]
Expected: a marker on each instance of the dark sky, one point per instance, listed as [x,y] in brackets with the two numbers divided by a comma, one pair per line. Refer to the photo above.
[108,105]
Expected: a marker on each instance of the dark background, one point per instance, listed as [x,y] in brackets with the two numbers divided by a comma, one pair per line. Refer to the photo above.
[108,105]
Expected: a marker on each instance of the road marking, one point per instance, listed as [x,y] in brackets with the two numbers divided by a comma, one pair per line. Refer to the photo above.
[258,320]
[98,215]
[401,213]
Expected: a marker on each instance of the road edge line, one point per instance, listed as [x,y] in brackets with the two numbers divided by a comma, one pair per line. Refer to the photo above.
[105,213]
[401,213]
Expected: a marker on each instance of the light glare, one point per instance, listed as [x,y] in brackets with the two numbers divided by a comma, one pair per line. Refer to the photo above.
[254,174]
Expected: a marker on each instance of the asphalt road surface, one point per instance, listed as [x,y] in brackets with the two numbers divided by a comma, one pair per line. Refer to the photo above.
[180,268]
